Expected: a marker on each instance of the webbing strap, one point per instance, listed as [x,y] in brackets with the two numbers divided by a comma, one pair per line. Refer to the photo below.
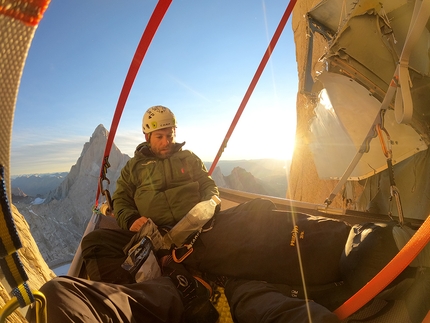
[29,12]
[9,239]
[254,80]
[405,256]
[147,36]
[40,308]
[403,108]
[9,243]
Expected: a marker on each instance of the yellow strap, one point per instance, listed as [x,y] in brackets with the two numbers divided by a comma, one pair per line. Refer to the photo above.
[13,304]
[9,239]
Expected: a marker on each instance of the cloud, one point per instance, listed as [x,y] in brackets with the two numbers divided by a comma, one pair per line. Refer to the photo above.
[46,156]
[127,140]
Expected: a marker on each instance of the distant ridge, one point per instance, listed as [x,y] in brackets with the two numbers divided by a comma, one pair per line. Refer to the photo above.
[259,176]
[37,184]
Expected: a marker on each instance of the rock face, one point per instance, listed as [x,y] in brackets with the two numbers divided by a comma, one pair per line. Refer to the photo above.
[18,193]
[304,183]
[32,260]
[59,222]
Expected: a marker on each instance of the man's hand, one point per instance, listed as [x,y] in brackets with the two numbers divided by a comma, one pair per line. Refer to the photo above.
[138,224]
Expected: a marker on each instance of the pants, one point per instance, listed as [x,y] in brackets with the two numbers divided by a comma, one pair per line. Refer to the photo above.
[76,300]
[102,251]
[250,301]
[257,301]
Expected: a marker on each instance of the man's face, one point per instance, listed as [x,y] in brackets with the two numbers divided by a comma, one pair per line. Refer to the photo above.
[162,141]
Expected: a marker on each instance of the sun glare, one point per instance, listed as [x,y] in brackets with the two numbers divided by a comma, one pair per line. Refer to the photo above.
[247,141]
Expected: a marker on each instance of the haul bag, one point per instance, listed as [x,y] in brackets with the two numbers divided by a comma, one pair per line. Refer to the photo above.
[255,241]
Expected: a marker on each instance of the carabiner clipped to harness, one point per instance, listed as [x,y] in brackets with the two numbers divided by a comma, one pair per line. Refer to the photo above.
[186,249]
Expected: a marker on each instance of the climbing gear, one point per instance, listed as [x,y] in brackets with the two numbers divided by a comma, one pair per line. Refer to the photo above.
[11,264]
[40,308]
[386,149]
[107,205]
[156,118]
[195,292]
[180,253]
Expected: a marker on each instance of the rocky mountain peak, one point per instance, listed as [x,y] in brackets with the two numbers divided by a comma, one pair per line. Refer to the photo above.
[242,180]
[85,173]
[59,223]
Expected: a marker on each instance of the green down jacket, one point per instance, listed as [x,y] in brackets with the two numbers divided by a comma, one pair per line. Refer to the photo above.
[161,189]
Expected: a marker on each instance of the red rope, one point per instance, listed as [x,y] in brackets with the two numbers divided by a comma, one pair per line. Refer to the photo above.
[148,34]
[388,273]
[254,80]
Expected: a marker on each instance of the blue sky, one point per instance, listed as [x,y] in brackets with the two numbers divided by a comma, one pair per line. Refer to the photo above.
[200,64]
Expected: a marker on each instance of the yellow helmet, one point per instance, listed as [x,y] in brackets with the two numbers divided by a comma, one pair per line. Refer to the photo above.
[157,117]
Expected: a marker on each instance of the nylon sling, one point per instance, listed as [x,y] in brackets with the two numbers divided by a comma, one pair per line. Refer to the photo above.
[9,244]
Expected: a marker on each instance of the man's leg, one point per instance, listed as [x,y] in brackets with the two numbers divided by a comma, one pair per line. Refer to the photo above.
[76,300]
[258,301]
[102,251]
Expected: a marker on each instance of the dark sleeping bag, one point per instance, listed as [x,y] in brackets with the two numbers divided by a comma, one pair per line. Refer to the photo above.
[369,248]
[256,241]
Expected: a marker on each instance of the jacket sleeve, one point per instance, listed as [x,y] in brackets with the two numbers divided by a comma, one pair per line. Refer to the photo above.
[125,209]
[207,185]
